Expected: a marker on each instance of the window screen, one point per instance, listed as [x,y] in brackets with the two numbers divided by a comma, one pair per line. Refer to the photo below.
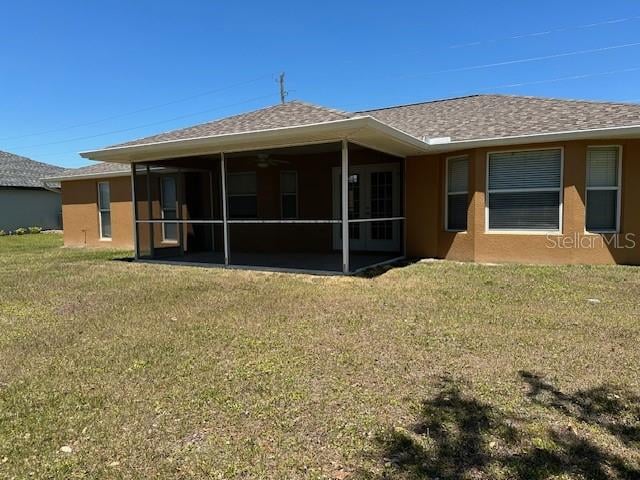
[457,193]
[602,189]
[525,190]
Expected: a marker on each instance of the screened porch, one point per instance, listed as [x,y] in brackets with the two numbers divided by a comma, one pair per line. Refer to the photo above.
[324,208]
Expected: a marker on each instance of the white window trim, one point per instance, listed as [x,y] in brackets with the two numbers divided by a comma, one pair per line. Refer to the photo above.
[164,233]
[282,194]
[618,189]
[524,231]
[251,172]
[447,193]
[101,209]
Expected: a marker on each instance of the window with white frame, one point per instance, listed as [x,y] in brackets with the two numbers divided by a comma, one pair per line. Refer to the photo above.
[169,201]
[104,210]
[242,198]
[457,194]
[524,190]
[603,189]
[289,194]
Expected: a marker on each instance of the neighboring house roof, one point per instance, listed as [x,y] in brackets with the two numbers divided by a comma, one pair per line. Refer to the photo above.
[17,171]
[97,170]
[277,116]
[497,116]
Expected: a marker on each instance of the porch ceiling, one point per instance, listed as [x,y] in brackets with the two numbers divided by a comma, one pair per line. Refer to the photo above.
[365,131]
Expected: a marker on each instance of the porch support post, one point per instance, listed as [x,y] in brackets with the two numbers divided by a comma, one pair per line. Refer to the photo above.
[134,212]
[345,206]
[152,243]
[225,226]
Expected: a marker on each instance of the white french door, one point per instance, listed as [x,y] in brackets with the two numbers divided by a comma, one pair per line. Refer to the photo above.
[374,192]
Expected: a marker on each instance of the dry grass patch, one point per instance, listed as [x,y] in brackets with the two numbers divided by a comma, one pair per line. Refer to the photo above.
[434,370]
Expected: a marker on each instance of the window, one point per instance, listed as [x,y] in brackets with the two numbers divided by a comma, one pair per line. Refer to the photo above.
[169,200]
[242,195]
[603,189]
[457,194]
[289,194]
[525,190]
[104,209]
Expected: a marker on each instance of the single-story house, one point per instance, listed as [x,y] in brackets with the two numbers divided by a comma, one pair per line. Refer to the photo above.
[25,199]
[485,178]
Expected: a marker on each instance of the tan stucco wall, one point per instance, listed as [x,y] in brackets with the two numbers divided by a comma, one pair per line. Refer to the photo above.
[80,209]
[80,213]
[425,213]
[426,236]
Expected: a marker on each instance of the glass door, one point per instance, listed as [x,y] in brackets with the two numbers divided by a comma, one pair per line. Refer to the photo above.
[382,189]
[356,204]
[374,192]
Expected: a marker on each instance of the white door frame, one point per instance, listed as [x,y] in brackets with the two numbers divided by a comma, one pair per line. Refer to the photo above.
[355,244]
[365,242]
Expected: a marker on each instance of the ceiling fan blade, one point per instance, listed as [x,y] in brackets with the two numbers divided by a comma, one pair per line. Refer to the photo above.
[264,160]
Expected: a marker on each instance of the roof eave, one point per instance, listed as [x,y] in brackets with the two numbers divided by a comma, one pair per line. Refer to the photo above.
[629,132]
[28,187]
[364,129]
[87,176]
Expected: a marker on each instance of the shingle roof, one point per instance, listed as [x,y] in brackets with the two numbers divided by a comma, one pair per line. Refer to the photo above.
[289,114]
[95,169]
[17,171]
[462,118]
[491,116]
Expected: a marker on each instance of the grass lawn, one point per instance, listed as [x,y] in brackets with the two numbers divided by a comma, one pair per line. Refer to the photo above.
[440,370]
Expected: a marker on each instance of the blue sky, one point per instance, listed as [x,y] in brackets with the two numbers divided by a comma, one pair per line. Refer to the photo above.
[82,75]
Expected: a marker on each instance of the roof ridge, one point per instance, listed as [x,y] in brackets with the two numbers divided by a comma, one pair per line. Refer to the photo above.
[559,99]
[508,95]
[437,100]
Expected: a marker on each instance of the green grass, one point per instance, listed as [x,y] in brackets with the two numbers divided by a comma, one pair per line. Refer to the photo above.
[434,370]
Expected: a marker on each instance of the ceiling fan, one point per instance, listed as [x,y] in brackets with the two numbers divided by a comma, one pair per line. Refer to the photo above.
[265,160]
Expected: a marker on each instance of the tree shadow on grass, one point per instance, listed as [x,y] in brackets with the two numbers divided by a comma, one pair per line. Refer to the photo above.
[615,410]
[460,437]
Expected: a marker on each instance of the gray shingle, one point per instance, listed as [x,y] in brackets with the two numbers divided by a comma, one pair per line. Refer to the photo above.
[17,171]
[95,169]
[463,118]
[283,115]
[489,116]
